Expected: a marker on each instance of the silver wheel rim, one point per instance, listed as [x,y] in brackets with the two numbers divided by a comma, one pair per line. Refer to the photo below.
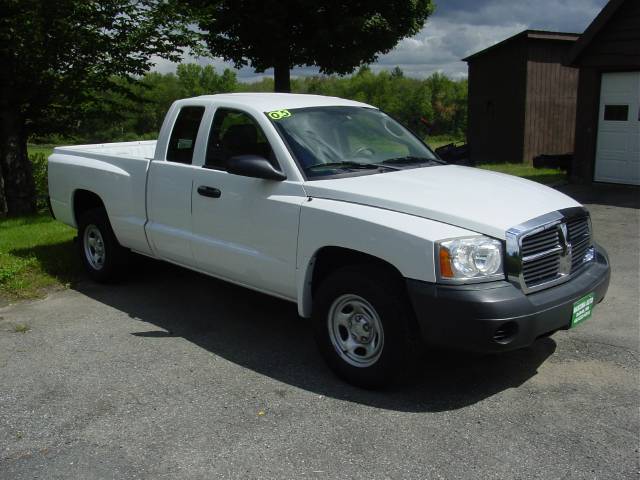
[94,250]
[355,330]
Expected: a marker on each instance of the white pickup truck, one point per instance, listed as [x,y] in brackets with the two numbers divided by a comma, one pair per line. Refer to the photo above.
[334,205]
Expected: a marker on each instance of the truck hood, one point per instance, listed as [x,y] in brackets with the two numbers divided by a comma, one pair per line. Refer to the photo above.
[479,200]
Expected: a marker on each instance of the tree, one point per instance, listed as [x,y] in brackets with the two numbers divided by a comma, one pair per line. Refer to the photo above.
[55,54]
[397,72]
[336,36]
[197,80]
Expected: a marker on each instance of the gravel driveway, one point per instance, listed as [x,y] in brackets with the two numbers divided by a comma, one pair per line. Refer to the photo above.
[175,375]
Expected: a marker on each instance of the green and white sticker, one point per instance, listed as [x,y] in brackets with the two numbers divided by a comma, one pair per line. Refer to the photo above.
[582,309]
[279,114]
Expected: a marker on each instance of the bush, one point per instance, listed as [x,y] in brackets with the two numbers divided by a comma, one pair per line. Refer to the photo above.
[40,177]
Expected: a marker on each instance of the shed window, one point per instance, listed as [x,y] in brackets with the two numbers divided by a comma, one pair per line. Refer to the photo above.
[616,113]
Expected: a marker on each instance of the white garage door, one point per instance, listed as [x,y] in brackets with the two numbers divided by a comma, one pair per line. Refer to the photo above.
[618,150]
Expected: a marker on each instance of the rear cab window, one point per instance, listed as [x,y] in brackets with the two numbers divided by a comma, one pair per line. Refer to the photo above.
[185,132]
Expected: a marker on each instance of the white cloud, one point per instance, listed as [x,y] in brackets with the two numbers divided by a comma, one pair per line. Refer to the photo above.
[441,45]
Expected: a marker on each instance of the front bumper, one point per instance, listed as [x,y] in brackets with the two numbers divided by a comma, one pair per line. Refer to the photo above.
[498,316]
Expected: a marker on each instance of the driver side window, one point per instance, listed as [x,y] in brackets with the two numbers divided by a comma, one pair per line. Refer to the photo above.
[235,133]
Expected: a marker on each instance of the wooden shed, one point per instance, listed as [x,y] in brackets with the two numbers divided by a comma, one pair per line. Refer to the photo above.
[522,99]
[607,138]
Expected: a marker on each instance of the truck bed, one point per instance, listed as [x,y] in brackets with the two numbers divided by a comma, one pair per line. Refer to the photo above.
[116,173]
[142,149]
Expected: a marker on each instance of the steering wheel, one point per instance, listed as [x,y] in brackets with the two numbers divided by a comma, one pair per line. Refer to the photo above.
[364,151]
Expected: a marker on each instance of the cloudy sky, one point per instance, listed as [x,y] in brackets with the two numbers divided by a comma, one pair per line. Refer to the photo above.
[459,28]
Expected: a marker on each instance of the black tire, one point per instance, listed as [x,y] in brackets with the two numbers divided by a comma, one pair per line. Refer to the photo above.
[115,256]
[387,295]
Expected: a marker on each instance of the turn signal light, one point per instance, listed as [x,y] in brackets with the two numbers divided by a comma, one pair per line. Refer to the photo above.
[445,264]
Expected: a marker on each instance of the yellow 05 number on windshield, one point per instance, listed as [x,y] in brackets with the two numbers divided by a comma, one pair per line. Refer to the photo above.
[279,114]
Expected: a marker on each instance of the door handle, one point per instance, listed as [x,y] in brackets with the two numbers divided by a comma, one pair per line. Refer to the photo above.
[209,191]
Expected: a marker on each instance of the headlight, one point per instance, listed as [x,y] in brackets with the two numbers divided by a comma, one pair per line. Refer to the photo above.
[470,259]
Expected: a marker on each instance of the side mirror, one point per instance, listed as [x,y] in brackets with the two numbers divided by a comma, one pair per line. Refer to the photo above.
[254,166]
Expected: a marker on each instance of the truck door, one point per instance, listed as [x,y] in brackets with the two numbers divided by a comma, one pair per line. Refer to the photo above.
[169,185]
[244,229]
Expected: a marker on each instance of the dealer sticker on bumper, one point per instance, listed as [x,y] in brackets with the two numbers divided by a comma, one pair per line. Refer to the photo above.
[582,309]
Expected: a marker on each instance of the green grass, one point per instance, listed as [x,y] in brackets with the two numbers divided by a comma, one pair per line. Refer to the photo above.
[548,176]
[36,255]
[436,141]
[21,328]
[45,150]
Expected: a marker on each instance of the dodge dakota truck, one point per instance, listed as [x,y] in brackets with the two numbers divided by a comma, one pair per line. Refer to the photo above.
[334,205]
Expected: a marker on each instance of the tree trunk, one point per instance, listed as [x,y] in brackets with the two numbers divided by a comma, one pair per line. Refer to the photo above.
[282,78]
[17,188]
[3,198]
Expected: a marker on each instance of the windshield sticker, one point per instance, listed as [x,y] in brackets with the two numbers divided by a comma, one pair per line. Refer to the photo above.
[279,114]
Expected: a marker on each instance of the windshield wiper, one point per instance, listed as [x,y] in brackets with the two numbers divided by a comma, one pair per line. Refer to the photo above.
[346,164]
[408,160]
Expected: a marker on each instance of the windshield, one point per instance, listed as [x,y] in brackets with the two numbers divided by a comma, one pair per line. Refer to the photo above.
[329,141]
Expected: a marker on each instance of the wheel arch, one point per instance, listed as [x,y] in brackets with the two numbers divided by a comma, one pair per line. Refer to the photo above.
[83,201]
[326,260]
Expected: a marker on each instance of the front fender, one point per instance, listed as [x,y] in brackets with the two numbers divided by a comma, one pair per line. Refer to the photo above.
[405,241]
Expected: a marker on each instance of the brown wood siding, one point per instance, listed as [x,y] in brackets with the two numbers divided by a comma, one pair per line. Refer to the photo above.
[496,104]
[617,45]
[551,94]
[586,125]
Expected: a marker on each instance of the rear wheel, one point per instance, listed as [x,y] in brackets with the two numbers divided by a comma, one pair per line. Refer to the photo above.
[101,254]
[363,326]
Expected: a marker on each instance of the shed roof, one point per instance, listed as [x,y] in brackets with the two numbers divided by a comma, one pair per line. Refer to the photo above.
[527,35]
[592,30]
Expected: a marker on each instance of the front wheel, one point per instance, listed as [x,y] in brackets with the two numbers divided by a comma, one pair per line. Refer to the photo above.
[363,325]
[101,254]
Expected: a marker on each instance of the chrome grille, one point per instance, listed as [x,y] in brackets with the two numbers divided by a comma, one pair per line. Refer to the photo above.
[541,256]
[540,242]
[580,239]
[548,250]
